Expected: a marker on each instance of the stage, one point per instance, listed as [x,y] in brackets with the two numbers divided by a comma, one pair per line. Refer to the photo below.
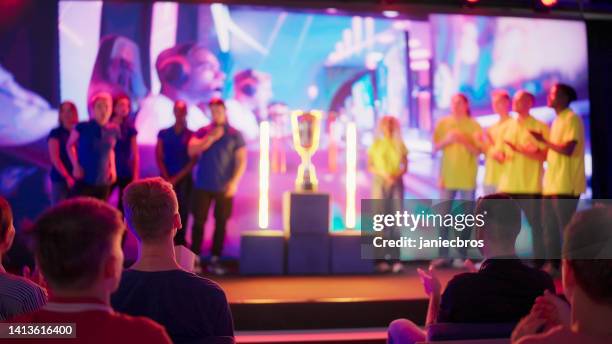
[325,309]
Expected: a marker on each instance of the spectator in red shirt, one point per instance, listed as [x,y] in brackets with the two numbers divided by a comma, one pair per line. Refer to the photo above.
[78,247]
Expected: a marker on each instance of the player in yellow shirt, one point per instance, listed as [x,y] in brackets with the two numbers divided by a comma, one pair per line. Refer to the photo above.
[490,140]
[388,162]
[564,179]
[522,157]
[456,136]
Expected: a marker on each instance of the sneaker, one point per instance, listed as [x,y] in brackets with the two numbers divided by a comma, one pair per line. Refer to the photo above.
[215,267]
[397,267]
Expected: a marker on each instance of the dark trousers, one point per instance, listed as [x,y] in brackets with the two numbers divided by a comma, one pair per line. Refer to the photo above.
[121,184]
[557,211]
[183,195]
[531,206]
[81,188]
[223,209]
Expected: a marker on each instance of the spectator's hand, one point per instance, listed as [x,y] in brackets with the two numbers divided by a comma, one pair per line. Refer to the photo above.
[230,189]
[34,276]
[470,266]
[430,281]
[553,309]
[77,172]
[531,324]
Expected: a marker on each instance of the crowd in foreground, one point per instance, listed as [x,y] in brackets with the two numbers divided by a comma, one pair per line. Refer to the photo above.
[77,245]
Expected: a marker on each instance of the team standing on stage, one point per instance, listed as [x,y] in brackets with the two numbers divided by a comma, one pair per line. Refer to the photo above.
[515,150]
[93,157]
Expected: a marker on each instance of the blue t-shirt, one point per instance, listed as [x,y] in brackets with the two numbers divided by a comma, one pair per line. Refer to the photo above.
[174,147]
[215,165]
[61,134]
[123,151]
[93,150]
[191,308]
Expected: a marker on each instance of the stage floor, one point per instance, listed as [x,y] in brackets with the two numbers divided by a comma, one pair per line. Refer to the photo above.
[291,289]
[325,309]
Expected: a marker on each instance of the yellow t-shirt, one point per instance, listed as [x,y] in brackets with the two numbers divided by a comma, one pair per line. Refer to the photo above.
[459,165]
[386,154]
[521,174]
[493,168]
[565,174]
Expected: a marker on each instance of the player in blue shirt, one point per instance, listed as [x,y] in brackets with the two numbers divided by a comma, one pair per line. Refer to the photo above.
[175,165]
[91,150]
[221,161]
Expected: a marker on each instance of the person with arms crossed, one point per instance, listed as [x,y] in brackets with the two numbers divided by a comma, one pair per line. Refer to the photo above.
[388,162]
[61,167]
[175,165]
[222,157]
[77,245]
[91,150]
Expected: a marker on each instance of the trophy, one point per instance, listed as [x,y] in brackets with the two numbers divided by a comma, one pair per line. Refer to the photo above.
[306,131]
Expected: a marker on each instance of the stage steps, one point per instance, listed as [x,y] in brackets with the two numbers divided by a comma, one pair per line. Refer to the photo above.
[334,336]
[325,314]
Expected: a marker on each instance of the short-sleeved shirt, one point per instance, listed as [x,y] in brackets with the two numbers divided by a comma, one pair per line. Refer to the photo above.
[174,147]
[459,165]
[494,168]
[502,291]
[61,134]
[521,174]
[386,154]
[19,296]
[95,323]
[94,150]
[123,151]
[565,174]
[215,165]
[191,308]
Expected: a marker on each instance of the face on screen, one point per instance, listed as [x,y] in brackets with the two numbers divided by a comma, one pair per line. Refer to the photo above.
[122,62]
[206,76]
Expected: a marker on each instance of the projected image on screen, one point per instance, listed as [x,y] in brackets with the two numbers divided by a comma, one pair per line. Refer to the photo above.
[266,62]
[475,55]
